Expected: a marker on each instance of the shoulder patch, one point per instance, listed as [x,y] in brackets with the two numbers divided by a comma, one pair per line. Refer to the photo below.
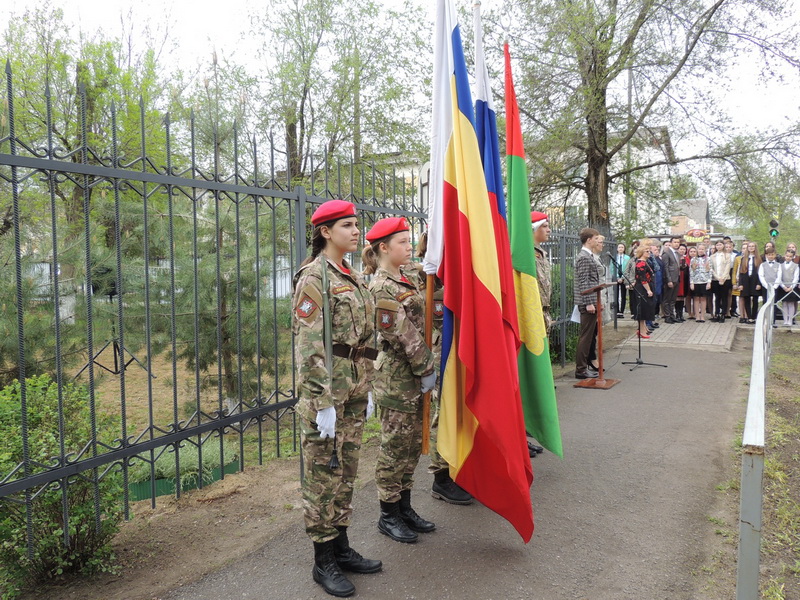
[403,295]
[309,304]
[438,308]
[341,289]
[386,318]
[387,313]
[306,307]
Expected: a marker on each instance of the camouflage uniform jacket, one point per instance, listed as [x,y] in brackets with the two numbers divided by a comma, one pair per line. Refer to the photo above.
[404,356]
[352,323]
[543,276]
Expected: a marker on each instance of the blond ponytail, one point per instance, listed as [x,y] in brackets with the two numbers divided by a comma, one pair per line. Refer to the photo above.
[369,259]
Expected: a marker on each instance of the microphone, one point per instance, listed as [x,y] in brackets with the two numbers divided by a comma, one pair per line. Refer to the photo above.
[616,270]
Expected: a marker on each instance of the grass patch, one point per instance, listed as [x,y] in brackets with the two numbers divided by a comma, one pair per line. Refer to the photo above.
[780,541]
[780,556]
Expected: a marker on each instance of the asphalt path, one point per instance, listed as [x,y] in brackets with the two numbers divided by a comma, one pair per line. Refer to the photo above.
[623,515]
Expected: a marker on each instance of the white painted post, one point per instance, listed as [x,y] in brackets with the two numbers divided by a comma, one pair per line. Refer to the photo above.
[751,491]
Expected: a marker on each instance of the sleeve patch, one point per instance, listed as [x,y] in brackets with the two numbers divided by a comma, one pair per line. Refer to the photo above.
[306,307]
[402,296]
[386,318]
[309,304]
[341,289]
[438,308]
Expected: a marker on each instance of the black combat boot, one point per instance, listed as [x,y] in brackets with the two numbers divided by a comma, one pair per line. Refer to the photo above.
[327,573]
[350,560]
[444,488]
[410,516]
[392,524]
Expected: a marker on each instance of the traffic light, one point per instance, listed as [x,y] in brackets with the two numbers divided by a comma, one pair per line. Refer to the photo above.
[773,232]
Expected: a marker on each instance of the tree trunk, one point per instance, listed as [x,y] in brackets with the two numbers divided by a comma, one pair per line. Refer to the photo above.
[597,188]
[597,155]
[292,151]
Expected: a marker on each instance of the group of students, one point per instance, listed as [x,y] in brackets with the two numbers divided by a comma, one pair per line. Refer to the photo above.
[714,280]
[335,322]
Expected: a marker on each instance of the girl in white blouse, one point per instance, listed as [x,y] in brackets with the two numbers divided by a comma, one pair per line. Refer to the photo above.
[787,292]
[769,274]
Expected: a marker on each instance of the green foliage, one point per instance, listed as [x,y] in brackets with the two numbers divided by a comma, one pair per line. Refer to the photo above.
[164,466]
[342,76]
[760,188]
[89,549]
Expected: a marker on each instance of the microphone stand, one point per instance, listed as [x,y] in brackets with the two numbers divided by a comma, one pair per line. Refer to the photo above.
[638,362]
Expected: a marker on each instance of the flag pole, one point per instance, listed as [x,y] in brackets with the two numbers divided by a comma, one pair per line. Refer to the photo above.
[426,397]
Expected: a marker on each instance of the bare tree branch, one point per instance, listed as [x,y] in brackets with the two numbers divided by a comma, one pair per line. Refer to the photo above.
[700,28]
[720,155]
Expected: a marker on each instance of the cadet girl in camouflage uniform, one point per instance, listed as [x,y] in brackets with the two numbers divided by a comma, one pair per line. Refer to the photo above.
[334,377]
[405,371]
[444,488]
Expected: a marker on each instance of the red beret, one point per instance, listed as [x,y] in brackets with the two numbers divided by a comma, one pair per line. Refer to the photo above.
[538,216]
[386,227]
[332,210]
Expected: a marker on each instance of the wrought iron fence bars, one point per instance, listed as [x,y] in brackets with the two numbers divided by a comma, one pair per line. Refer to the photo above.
[147,316]
[20,308]
[256,208]
[172,316]
[196,300]
[57,309]
[120,310]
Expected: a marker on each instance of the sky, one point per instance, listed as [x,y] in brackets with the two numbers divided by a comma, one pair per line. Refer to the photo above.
[197,33]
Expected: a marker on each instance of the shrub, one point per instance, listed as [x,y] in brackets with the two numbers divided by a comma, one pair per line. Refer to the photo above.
[164,466]
[89,550]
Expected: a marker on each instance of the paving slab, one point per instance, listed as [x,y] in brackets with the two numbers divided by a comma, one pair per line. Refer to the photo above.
[716,337]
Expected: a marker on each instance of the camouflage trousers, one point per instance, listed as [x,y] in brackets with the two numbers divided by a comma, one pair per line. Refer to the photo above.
[328,493]
[401,446]
[437,462]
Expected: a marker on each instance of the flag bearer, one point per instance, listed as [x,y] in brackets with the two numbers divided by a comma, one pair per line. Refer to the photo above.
[333,324]
[405,371]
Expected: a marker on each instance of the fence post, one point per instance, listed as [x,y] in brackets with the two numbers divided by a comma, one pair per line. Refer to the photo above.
[562,301]
[751,490]
[751,495]
[300,225]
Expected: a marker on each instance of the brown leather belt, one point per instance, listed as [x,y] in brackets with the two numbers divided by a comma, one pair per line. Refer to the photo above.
[347,351]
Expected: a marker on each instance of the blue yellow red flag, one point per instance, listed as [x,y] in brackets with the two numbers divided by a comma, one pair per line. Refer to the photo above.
[481,430]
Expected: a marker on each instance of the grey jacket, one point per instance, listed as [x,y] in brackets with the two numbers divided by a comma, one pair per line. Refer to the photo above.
[672,266]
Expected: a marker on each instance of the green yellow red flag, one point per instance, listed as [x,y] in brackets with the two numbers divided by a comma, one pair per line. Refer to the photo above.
[535,370]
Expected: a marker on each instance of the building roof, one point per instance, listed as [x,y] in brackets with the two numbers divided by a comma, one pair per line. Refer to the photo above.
[696,209]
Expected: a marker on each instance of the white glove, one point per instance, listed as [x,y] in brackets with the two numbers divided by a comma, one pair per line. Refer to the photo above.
[428,382]
[326,422]
[370,405]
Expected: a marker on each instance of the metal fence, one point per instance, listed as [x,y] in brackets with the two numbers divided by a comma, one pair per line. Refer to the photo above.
[753,441]
[151,269]
[562,249]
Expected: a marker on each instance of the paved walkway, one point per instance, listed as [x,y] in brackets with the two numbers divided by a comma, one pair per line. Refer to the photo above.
[716,337]
[623,516]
